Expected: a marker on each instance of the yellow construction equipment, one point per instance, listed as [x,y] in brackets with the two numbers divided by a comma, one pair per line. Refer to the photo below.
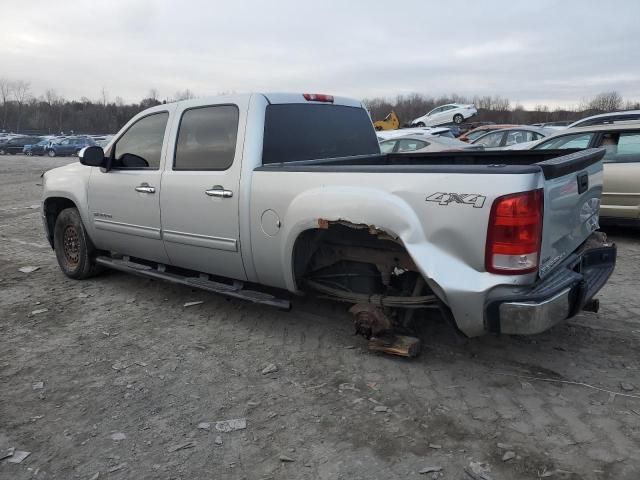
[390,122]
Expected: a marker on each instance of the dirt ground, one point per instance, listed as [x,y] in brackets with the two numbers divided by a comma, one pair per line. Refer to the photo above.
[128,373]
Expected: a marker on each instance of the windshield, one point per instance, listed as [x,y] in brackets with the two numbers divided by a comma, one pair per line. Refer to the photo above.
[301,131]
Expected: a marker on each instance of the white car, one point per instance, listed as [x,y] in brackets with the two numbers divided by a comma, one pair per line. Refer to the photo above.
[451,113]
[401,132]
[424,143]
[607,118]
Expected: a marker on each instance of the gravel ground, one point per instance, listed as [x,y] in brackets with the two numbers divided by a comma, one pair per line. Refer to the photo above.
[128,374]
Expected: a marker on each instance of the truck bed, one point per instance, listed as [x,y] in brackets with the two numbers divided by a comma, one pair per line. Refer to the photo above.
[553,163]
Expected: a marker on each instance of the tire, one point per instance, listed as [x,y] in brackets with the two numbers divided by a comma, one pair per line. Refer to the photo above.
[29,153]
[420,124]
[74,250]
[51,153]
[458,119]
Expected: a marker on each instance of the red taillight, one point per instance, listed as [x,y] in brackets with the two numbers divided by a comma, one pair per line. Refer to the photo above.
[515,233]
[318,97]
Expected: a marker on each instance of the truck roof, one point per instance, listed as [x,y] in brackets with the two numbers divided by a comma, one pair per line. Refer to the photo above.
[275,98]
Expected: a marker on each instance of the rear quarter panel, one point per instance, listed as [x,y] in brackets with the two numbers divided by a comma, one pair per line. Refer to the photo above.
[445,238]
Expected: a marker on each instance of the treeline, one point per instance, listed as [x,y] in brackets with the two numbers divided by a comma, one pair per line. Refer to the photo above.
[23,112]
[497,109]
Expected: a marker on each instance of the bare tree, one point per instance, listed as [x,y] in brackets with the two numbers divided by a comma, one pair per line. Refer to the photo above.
[184,95]
[20,95]
[606,102]
[51,97]
[153,94]
[6,89]
[104,97]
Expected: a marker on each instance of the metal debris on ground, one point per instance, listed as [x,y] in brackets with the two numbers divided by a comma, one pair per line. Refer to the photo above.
[430,469]
[117,436]
[117,467]
[95,476]
[191,304]
[478,471]
[400,345]
[435,446]
[284,458]
[380,408]
[270,368]
[28,269]
[627,387]
[39,311]
[6,452]
[18,456]
[182,446]
[505,446]
[218,440]
[509,455]
[231,425]
[204,425]
[37,385]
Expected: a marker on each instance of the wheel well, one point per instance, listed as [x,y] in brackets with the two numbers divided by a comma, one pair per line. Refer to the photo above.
[338,241]
[52,208]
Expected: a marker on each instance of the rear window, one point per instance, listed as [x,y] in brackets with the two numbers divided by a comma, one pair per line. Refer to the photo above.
[301,131]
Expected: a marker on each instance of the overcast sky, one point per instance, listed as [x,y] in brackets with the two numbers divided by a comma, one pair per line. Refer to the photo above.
[537,51]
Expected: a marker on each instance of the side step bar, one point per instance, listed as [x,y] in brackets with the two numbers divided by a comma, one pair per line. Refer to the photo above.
[235,290]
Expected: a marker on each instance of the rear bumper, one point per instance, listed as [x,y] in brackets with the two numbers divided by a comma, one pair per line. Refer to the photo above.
[559,296]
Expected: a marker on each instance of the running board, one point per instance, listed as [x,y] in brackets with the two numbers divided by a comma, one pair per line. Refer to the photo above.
[235,290]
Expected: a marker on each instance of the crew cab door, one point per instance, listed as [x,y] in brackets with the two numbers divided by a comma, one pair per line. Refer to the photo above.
[124,202]
[200,189]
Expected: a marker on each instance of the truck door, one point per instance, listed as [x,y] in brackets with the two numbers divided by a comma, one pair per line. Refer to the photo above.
[200,189]
[124,202]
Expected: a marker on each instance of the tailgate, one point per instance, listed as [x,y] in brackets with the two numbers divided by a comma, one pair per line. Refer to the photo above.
[573,186]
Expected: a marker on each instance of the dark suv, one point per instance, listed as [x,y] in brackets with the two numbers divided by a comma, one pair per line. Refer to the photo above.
[16,144]
[69,146]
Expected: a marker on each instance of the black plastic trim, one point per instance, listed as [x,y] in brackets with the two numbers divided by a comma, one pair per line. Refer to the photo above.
[566,164]
[553,163]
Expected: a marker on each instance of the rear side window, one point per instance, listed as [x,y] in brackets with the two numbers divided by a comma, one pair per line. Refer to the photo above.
[301,131]
[141,145]
[207,138]
[577,140]
[622,148]
[387,147]
[520,136]
[490,140]
[406,145]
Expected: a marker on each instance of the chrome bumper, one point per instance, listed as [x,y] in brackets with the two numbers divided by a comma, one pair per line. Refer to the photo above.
[559,296]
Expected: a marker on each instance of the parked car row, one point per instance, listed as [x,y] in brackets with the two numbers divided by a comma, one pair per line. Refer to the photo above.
[617,133]
[49,145]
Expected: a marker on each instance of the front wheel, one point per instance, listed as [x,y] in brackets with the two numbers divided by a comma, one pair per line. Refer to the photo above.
[29,153]
[458,119]
[51,153]
[2,151]
[74,250]
[420,124]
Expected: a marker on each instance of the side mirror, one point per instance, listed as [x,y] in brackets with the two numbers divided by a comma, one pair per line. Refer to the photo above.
[92,157]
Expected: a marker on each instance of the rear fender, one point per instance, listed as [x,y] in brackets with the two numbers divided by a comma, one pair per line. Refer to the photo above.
[372,208]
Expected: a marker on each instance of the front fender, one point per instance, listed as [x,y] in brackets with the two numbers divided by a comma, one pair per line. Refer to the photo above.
[69,182]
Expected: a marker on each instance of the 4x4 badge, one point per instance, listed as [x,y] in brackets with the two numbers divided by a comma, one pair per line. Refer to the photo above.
[465,198]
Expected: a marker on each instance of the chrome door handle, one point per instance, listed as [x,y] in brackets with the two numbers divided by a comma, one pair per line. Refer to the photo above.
[145,188]
[219,191]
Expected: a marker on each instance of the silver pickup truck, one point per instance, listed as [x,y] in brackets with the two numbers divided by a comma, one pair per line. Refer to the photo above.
[291,191]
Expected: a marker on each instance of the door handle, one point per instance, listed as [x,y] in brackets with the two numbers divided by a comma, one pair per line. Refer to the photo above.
[219,191]
[145,188]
